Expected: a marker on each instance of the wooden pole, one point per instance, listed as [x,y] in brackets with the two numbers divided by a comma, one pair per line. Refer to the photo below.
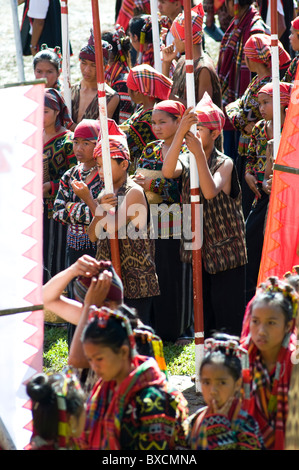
[275,77]
[195,203]
[156,35]
[19,51]
[66,66]
[104,124]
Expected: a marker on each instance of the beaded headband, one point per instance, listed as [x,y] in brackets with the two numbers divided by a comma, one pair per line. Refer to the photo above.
[229,346]
[274,285]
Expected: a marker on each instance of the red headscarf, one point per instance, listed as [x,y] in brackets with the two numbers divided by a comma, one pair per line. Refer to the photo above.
[209,115]
[149,82]
[295,23]
[170,106]
[178,26]
[258,49]
[87,129]
[285,91]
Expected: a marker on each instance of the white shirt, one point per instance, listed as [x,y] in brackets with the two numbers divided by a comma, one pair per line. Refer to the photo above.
[38,9]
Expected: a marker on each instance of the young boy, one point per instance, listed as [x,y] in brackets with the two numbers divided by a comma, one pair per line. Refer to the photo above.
[223,248]
[254,176]
[136,248]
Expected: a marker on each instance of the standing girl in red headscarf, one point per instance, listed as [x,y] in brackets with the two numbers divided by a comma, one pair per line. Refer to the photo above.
[168,313]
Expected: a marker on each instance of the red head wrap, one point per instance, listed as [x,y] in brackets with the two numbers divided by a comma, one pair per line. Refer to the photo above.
[118,148]
[178,26]
[284,88]
[170,106]
[149,82]
[258,49]
[54,100]
[209,115]
[295,23]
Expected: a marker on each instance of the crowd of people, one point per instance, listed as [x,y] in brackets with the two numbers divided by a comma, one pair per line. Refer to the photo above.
[115,394]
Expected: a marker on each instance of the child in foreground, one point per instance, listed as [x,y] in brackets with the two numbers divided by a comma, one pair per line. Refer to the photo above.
[222,424]
[269,336]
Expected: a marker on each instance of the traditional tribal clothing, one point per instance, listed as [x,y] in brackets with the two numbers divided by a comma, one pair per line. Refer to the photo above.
[212,431]
[55,101]
[166,220]
[208,114]
[258,49]
[149,82]
[290,74]
[127,8]
[285,92]
[233,73]
[139,133]
[116,77]
[176,108]
[142,414]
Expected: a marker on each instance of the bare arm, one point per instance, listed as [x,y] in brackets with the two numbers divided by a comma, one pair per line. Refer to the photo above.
[96,295]
[68,309]
[37,29]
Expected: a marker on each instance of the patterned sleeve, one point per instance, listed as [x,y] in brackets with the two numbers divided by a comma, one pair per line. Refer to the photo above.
[70,161]
[66,210]
[154,421]
[251,153]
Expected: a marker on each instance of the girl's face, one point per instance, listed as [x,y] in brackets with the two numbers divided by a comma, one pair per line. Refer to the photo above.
[83,150]
[44,69]
[107,364]
[50,116]
[266,106]
[164,126]
[294,39]
[217,384]
[134,41]
[88,70]
[268,328]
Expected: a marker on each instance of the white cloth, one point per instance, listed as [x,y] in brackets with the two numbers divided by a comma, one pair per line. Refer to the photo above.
[38,9]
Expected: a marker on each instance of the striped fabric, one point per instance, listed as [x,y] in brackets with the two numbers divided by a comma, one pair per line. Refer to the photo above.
[178,26]
[285,91]
[208,114]
[149,82]
[54,100]
[258,49]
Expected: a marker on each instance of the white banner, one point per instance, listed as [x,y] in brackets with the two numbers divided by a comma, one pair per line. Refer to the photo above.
[21,175]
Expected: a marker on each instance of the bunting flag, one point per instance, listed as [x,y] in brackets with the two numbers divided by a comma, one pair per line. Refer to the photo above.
[281,241]
[21,317]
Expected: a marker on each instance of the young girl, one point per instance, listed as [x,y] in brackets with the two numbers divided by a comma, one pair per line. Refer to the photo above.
[222,424]
[223,248]
[132,406]
[47,64]
[294,41]
[269,336]
[244,113]
[254,176]
[58,411]
[146,87]
[168,314]
[141,37]
[58,158]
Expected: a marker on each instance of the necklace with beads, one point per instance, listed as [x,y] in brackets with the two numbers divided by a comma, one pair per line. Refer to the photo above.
[85,173]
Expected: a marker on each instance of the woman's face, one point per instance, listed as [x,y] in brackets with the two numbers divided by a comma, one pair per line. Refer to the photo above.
[164,126]
[107,364]
[44,69]
[217,384]
[268,328]
[50,116]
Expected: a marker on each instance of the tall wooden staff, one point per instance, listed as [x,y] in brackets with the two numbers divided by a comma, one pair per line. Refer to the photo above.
[19,51]
[275,77]
[156,35]
[104,124]
[66,67]
[195,203]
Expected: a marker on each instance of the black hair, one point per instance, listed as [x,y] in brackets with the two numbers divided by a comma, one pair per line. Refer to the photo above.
[49,55]
[137,23]
[125,45]
[44,403]
[224,355]
[114,335]
[274,299]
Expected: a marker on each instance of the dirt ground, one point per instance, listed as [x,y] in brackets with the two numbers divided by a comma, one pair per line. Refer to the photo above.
[80,23]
